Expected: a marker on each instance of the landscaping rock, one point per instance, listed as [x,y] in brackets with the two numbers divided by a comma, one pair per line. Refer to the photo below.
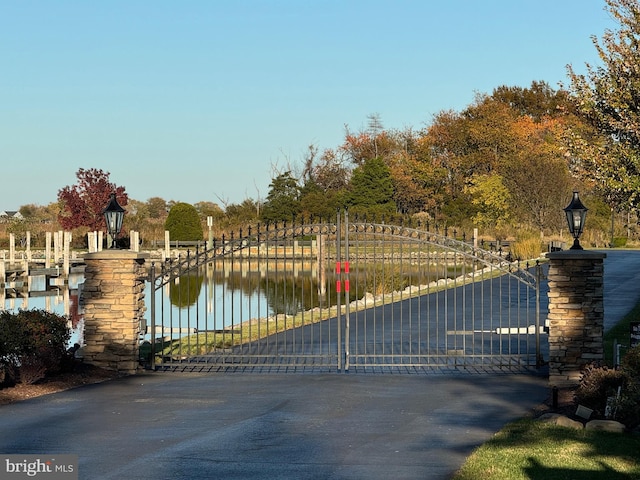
[605,426]
[560,420]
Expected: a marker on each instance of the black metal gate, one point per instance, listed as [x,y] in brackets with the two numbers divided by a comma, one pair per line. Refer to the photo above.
[345,296]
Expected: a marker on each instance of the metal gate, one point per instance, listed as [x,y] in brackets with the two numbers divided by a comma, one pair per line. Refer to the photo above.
[345,296]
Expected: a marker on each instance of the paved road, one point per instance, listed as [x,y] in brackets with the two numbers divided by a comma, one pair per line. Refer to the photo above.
[621,284]
[289,426]
[295,426]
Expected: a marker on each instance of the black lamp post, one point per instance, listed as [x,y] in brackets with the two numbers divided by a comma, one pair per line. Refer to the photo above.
[113,216]
[576,213]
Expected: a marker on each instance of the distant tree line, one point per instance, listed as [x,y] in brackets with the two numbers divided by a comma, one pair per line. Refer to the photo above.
[505,164]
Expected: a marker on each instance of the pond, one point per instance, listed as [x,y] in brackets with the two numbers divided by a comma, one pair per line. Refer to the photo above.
[226,293]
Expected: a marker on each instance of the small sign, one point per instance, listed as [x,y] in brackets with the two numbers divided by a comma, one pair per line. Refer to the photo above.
[583,412]
[635,334]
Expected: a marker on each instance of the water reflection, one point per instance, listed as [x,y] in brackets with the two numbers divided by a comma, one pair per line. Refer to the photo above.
[49,294]
[186,291]
[226,293]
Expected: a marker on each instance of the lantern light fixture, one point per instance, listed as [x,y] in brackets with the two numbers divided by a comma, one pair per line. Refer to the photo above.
[576,214]
[113,216]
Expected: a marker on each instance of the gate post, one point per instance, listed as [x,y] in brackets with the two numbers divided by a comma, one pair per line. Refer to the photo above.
[113,296]
[576,314]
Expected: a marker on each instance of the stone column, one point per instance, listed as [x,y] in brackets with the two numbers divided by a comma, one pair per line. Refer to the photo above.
[576,314]
[113,296]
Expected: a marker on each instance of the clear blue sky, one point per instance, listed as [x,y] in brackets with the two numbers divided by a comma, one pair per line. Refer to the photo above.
[198,100]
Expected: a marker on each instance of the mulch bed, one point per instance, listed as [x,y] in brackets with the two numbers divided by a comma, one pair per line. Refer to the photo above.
[82,374]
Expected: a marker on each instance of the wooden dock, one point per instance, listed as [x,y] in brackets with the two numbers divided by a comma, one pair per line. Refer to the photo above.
[16,278]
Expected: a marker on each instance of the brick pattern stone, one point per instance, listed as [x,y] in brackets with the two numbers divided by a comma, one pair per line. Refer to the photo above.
[113,298]
[576,314]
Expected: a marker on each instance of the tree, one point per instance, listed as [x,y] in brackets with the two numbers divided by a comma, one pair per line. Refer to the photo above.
[283,199]
[371,189]
[82,204]
[157,207]
[538,176]
[418,183]
[608,98]
[492,198]
[329,173]
[238,215]
[316,203]
[209,209]
[538,102]
[183,223]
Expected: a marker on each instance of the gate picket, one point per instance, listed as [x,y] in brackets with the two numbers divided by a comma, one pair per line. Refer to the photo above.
[372,297]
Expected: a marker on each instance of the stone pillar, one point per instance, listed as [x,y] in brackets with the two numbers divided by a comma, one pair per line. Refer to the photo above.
[113,296]
[576,314]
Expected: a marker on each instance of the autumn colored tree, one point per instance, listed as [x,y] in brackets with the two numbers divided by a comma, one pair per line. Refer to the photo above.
[82,204]
[329,172]
[157,207]
[539,101]
[209,209]
[608,153]
[374,142]
[538,176]
[492,199]
[239,215]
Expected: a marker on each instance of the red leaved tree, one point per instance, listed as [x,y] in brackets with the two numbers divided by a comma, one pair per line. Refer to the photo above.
[82,204]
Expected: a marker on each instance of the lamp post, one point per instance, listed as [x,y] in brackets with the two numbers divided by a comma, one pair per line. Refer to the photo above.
[576,213]
[113,216]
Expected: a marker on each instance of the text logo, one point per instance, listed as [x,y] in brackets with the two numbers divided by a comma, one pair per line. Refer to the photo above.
[49,467]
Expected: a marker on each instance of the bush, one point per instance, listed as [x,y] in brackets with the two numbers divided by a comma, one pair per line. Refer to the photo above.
[600,383]
[183,223]
[630,364]
[32,344]
[619,242]
[596,385]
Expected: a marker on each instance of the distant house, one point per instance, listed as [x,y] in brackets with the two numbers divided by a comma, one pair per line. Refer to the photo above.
[6,215]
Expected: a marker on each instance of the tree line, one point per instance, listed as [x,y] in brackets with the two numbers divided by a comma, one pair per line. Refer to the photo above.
[506,163]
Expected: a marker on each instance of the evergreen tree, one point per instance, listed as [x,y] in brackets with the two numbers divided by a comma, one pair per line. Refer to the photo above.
[183,223]
[371,189]
[283,200]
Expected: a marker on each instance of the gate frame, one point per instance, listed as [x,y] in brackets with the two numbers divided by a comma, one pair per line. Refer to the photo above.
[170,270]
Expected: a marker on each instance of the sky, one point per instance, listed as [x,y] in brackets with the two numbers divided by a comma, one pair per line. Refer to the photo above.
[207,100]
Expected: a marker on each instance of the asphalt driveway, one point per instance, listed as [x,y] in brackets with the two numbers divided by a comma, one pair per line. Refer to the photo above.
[265,426]
[286,426]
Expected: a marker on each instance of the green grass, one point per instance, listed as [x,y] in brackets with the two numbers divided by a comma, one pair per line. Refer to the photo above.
[529,450]
[532,450]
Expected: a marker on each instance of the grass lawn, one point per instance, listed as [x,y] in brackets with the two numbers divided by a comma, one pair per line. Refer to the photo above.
[528,449]
[532,450]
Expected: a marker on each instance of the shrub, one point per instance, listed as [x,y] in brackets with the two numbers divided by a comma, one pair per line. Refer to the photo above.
[183,223]
[600,383]
[630,364]
[619,242]
[32,344]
